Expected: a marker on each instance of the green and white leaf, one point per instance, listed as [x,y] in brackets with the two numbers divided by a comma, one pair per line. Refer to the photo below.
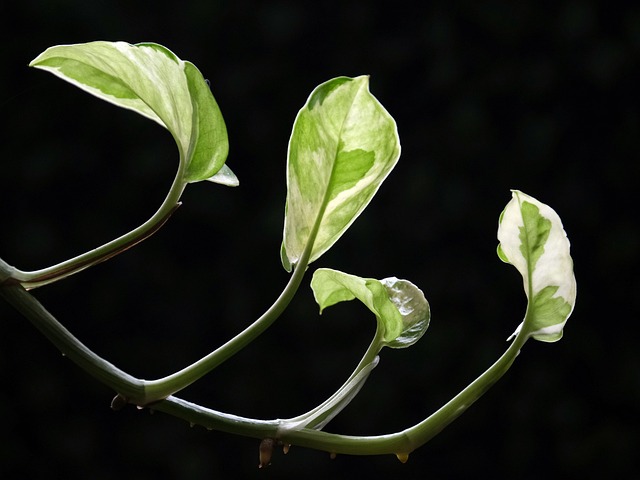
[152,81]
[400,307]
[533,240]
[343,145]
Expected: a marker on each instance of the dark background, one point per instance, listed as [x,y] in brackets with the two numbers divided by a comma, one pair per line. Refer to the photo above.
[488,96]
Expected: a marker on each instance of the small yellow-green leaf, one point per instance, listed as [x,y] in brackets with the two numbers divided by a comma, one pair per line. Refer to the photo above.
[400,307]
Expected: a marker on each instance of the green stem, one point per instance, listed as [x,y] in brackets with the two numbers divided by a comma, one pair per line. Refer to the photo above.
[37,278]
[135,390]
[161,388]
[430,427]
[400,443]
[139,392]
[317,417]
[71,347]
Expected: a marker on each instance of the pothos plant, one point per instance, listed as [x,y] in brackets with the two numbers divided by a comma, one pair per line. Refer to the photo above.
[343,146]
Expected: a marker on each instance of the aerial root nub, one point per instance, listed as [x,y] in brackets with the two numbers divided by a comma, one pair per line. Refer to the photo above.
[403,457]
[265,451]
[118,402]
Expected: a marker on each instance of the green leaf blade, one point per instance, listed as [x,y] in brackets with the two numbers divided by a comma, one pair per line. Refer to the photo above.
[149,79]
[533,240]
[343,146]
[208,144]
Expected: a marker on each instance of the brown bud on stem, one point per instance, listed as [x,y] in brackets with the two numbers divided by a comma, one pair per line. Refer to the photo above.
[266,449]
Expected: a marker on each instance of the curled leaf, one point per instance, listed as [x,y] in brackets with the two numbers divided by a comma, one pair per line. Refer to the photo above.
[152,81]
[533,240]
[400,307]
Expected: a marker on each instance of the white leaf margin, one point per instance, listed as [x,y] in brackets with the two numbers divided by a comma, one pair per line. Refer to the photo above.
[553,268]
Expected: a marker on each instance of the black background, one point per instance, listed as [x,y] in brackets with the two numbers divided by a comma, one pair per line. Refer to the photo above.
[488,96]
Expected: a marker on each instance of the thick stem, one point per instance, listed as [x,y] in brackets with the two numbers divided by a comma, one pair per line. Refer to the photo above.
[140,392]
[400,443]
[320,415]
[133,389]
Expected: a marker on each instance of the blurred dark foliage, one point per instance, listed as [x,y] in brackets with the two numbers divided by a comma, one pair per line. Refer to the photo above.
[488,96]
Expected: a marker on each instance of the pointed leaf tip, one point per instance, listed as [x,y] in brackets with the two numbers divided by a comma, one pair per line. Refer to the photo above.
[533,240]
[225,176]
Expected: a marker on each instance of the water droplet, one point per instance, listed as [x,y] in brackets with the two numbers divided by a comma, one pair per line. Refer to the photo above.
[332,455]
[285,448]
[403,457]
[191,424]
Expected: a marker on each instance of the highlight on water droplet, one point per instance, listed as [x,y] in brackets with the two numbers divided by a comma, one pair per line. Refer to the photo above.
[403,457]
[285,448]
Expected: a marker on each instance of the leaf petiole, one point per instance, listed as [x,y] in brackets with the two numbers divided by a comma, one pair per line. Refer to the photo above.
[143,392]
[37,278]
[319,416]
[161,388]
